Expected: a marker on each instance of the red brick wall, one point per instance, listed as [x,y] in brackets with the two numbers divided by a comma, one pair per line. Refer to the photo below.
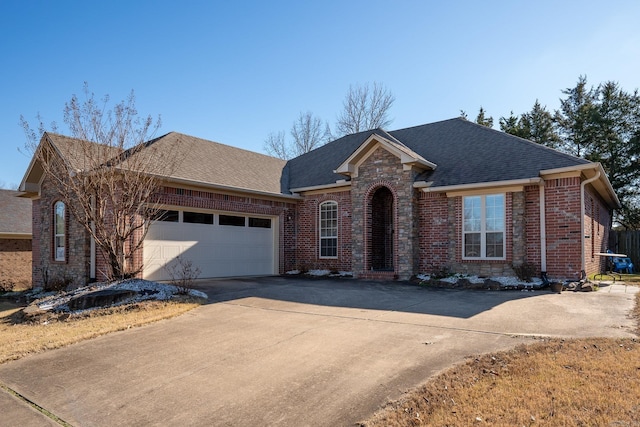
[562,207]
[597,221]
[307,240]
[15,262]
[532,225]
[75,268]
[434,231]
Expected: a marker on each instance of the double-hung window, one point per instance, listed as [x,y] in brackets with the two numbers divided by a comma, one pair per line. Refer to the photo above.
[59,227]
[483,228]
[329,230]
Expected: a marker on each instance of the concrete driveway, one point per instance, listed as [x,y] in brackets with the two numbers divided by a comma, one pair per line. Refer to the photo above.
[290,352]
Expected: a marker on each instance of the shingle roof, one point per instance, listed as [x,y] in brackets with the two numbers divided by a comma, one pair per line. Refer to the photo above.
[468,153]
[76,151]
[15,213]
[316,167]
[193,159]
[213,163]
[464,152]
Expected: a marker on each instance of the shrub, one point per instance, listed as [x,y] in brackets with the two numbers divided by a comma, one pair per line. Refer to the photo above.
[525,271]
[183,274]
[6,285]
[58,283]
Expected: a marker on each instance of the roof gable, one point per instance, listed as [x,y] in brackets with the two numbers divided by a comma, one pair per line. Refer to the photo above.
[194,161]
[409,158]
[78,155]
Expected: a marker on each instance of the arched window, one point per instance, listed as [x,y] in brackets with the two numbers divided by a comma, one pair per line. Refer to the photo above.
[60,230]
[328,230]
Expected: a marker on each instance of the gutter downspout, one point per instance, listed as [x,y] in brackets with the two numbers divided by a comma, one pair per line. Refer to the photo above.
[543,232]
[583,184]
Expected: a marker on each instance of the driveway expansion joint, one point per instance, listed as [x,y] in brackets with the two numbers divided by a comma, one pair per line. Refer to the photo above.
[34,405]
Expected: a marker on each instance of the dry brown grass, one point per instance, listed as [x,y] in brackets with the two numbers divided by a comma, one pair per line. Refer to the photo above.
[20,337]
[584,382]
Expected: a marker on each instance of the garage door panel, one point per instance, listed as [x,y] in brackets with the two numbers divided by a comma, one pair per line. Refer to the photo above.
[218,251]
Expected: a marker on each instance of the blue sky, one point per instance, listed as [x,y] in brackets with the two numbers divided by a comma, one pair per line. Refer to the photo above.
[233,72]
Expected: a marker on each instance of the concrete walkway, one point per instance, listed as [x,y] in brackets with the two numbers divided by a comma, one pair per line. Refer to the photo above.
[289,352]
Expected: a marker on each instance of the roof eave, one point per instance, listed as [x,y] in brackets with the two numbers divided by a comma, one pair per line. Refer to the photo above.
[337,184]
[182,181]
[18,236]
[427,186]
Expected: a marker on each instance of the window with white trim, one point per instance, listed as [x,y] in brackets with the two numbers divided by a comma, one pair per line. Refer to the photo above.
[329,230]
[483,227]
[59,229]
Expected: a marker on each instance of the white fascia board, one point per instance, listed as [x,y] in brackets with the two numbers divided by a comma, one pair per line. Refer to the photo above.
[426,187]
[338,184]
[412,161]
[575,168]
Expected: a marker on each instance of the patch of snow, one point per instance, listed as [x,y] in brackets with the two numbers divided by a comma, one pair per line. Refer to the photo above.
[505,281]
[198,294]
[145,290]
[318,272]
[293,272]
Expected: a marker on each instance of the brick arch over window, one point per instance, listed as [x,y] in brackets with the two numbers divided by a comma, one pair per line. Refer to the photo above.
[380,231]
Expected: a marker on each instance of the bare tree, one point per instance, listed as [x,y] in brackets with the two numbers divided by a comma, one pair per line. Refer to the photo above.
[276,145]
[107,174]
[8,186]
[307,132]
[365,108]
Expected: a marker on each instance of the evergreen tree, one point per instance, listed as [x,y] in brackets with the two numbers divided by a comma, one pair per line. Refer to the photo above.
[483,119]
[575,119]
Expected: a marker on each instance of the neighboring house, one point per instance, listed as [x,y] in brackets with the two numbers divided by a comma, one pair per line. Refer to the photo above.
[15,239]
[449,195]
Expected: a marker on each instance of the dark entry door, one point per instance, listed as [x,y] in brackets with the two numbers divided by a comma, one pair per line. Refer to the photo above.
[382,230]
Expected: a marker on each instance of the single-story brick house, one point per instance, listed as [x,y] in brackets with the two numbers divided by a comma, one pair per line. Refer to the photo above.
[447,195]
[15,239]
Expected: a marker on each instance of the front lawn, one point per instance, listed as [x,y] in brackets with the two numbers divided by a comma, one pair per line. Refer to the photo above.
[20,336]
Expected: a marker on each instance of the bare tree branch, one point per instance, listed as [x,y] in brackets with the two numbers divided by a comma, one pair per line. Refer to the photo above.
[276,146]
[365,108]
[308,132]
[105,178]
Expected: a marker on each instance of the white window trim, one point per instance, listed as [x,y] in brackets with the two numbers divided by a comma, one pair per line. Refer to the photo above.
[483,231]
[59,255]
[320,238]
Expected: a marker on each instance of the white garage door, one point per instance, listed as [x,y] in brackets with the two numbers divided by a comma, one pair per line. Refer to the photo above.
[219,244]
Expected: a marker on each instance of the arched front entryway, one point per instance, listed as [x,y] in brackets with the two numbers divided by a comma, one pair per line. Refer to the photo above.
[381,251]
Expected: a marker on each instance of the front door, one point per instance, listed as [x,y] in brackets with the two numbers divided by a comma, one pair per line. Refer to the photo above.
[382,230]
